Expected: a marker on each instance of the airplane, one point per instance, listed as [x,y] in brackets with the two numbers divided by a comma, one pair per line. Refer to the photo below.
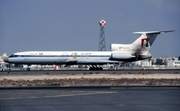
[138,50]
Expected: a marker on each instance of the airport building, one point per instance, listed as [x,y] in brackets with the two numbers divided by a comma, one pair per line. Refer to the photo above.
[2,63]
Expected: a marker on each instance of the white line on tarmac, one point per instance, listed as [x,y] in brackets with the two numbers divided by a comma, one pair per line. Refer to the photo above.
[64,95]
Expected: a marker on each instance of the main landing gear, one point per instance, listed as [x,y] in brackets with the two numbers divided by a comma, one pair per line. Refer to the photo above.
[95,67]
[28,69]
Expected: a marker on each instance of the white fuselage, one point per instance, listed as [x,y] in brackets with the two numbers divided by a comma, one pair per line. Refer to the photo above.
[68,57]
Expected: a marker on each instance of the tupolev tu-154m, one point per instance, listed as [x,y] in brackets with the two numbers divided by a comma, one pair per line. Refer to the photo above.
[138,50]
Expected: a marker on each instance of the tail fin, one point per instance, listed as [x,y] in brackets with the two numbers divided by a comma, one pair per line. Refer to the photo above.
[145,41]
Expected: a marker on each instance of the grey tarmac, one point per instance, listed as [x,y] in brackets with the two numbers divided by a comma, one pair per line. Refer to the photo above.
[90,99]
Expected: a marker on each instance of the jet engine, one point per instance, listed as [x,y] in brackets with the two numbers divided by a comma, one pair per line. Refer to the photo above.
[122,56]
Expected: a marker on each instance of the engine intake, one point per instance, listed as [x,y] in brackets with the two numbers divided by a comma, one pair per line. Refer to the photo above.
[115,47]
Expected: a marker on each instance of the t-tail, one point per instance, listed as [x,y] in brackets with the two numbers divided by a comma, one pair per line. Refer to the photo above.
[140,47]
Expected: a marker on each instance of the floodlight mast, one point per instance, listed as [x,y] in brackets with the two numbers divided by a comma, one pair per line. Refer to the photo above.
[102,42]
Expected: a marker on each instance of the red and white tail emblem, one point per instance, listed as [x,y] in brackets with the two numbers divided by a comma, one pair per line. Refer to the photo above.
[144,42]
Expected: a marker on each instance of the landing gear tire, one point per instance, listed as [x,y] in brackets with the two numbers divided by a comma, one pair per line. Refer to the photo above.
[90,68]
[96,68]
[28,69]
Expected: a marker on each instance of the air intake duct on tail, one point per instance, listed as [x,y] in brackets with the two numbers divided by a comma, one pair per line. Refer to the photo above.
[117,47]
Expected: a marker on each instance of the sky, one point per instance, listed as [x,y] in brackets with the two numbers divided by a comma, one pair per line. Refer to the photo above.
[73,25]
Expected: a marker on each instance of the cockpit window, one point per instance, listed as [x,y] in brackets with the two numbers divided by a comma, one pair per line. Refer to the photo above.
[12,55]
[15,55]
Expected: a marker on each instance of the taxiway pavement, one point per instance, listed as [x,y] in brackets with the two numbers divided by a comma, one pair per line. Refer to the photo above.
[90,99]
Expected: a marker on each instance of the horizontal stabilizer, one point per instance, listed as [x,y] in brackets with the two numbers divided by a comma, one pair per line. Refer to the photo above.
[153,32]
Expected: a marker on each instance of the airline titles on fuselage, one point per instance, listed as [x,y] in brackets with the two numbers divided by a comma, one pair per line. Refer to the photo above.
[72,54]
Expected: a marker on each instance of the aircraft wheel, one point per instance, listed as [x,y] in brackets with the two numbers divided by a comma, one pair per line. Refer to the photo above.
[90,68]
[28,69]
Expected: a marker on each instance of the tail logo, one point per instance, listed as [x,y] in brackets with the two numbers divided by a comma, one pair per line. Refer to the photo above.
[144,42]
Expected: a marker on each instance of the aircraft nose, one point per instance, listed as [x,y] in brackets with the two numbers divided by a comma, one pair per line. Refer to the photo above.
[6,59]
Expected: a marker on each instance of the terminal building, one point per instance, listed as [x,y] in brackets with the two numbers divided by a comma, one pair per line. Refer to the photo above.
[3,65]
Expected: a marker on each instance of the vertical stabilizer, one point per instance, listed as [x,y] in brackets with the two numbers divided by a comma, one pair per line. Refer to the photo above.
[145,41]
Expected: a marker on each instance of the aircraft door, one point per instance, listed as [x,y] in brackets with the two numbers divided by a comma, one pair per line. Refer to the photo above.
[87,55]
[64,55]
[82,55]
[25,57]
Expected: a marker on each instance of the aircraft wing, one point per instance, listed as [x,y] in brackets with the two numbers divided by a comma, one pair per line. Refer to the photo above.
[96,62]
[71,62]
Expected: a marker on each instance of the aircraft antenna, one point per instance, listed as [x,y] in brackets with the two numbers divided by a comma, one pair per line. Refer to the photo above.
[102,42]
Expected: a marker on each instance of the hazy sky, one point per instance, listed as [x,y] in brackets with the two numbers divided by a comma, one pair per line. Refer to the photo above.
[73,25]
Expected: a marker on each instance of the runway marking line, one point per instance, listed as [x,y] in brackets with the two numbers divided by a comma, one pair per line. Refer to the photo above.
[64,95]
